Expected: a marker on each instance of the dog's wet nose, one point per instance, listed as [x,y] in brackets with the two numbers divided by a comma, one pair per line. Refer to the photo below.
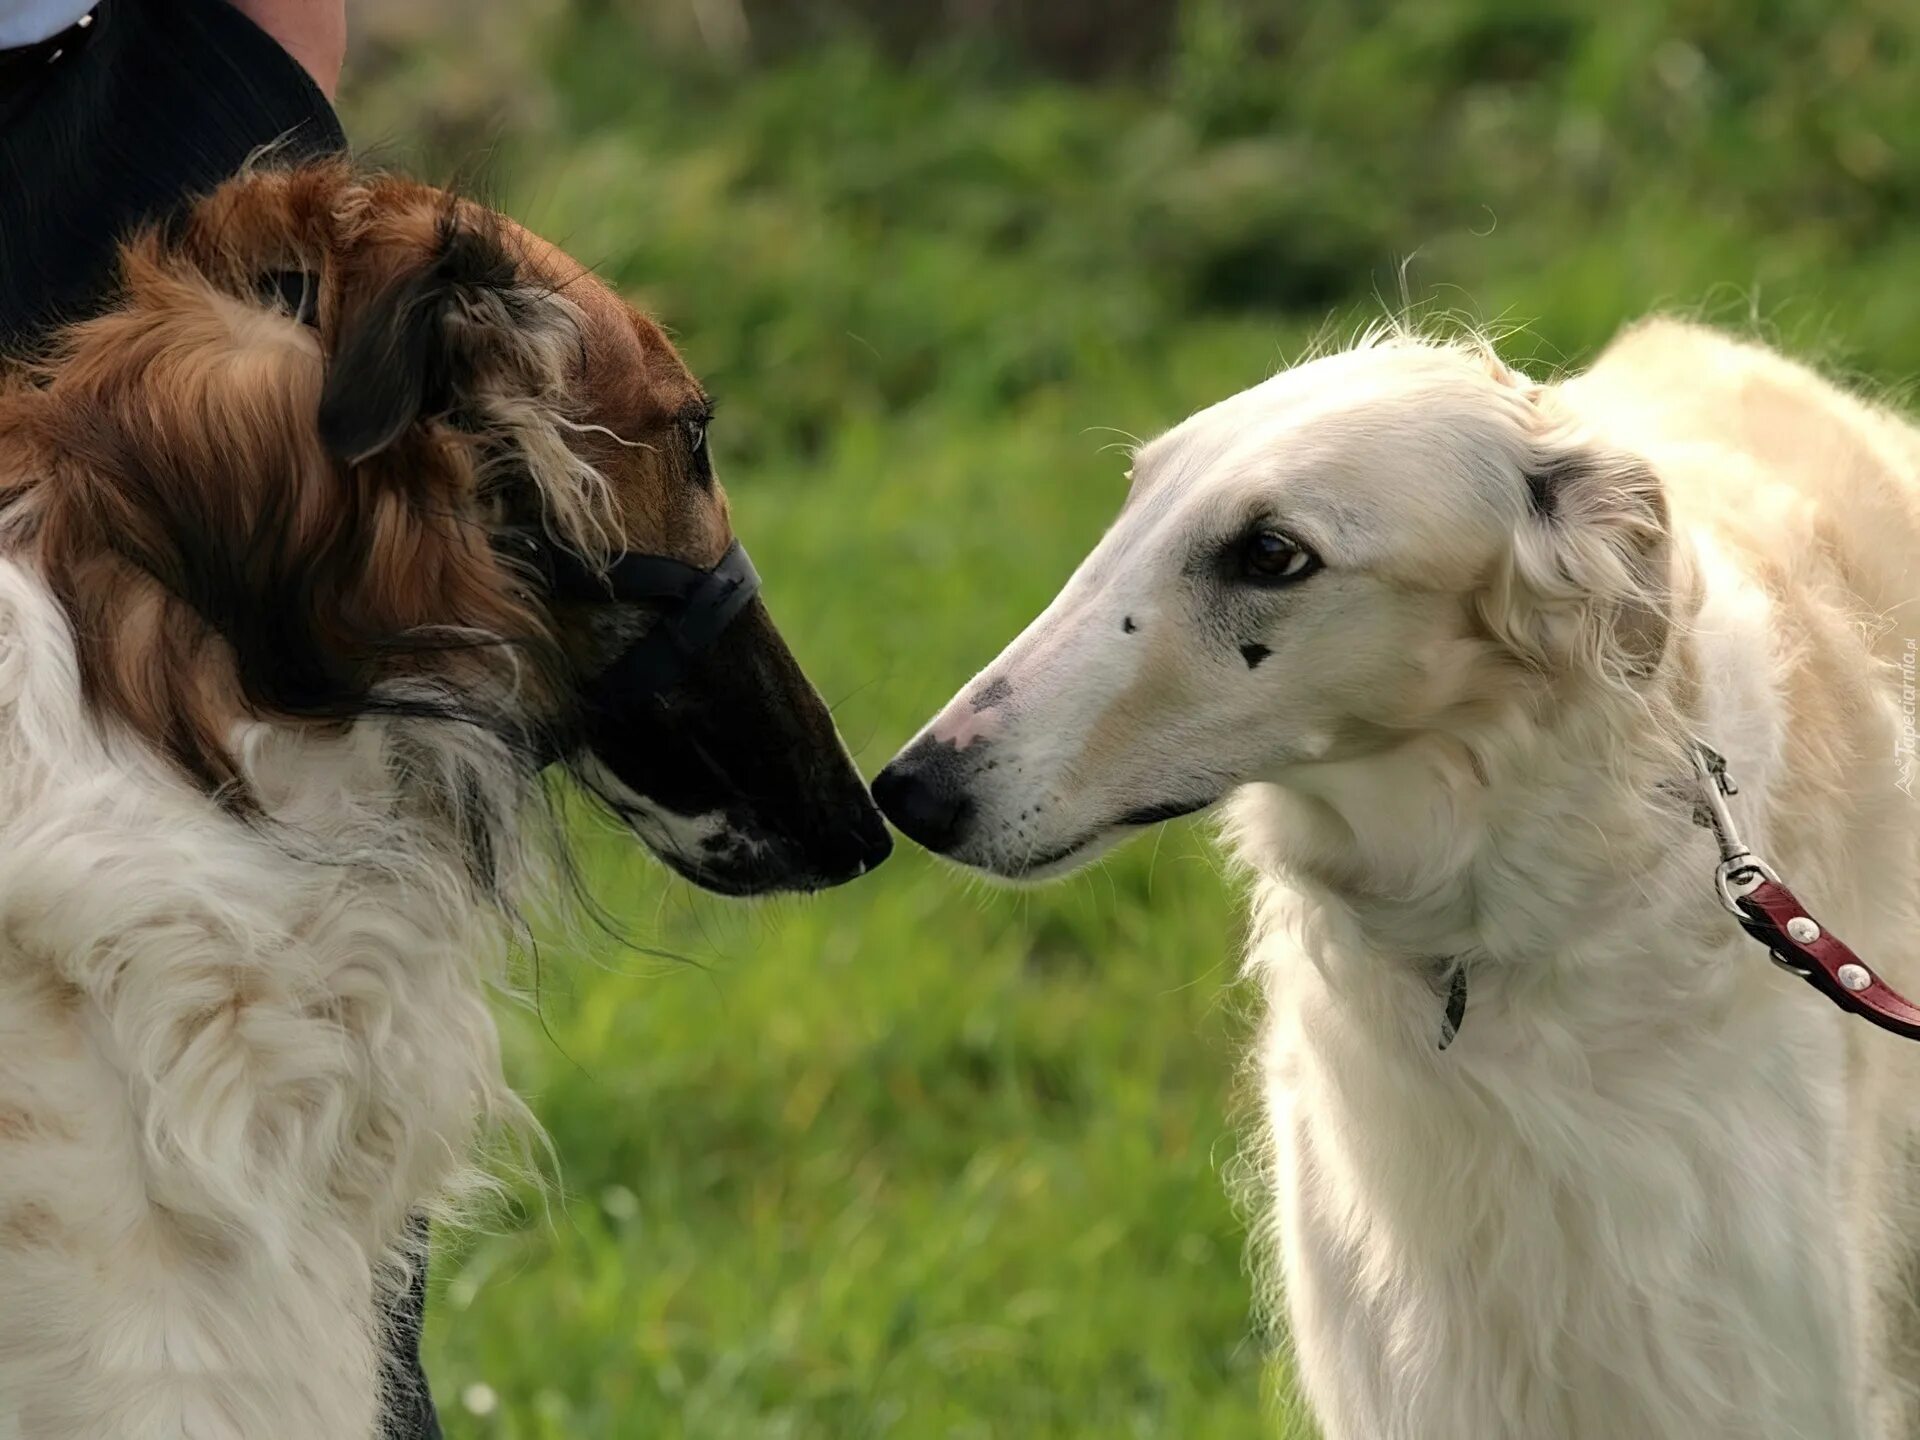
[921,792]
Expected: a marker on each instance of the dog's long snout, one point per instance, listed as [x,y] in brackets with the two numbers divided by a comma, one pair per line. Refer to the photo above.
[924,792]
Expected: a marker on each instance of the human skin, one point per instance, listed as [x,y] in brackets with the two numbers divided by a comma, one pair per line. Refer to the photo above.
[314,32]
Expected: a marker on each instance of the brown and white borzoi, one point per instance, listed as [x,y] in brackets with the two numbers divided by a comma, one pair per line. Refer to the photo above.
[282,660]
[1444,635]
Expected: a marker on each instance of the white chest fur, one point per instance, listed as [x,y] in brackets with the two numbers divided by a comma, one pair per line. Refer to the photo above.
[226,1074]
[1522,1236]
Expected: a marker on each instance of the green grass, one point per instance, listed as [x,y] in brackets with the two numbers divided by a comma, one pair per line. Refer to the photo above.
[919,1158]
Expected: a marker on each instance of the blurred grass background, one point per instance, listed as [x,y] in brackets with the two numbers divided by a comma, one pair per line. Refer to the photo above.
[917,1158]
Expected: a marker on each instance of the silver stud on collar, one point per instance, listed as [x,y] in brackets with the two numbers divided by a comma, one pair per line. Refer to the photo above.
[1854,977]
[1802,929]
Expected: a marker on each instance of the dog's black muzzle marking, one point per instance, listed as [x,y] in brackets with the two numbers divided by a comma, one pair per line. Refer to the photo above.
[707,713]
[692,608]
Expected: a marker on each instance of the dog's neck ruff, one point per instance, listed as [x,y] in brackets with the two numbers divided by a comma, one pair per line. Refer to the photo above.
[1771,913]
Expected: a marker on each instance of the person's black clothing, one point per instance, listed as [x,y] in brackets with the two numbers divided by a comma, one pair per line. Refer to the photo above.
[151,103]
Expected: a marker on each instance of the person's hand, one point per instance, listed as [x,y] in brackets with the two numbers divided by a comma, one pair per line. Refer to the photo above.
[314,32]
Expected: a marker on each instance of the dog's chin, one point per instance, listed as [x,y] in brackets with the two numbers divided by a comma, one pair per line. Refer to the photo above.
[732,851]
[733,882]
[1040,865]
[771,876]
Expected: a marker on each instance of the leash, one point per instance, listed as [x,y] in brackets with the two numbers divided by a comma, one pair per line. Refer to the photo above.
[1771,913]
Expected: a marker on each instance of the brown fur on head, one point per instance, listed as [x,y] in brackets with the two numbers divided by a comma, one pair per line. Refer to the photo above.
[305,518]
[166,470]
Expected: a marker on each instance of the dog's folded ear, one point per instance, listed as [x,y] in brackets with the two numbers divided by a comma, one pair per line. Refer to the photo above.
[1587,584]
[407,352]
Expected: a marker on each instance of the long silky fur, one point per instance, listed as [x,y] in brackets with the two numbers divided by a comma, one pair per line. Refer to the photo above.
[248,927]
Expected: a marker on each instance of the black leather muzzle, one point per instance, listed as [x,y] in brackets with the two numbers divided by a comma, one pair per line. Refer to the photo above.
[691,606]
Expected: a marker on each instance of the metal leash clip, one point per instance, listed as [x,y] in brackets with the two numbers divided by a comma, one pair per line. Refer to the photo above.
[1739,869]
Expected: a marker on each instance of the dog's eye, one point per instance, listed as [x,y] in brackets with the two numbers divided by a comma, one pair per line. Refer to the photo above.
[694,429]
[1268,557]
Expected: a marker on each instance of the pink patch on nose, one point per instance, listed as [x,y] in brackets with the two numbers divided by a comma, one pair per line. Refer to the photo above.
[968,725]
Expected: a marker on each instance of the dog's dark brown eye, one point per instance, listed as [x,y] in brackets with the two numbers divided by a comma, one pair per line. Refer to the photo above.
[693,428]
[1268,557]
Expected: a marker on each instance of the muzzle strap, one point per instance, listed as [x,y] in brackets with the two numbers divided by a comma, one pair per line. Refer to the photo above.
[694,608]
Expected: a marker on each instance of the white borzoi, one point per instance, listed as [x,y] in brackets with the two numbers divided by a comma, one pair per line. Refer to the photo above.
[357,509]
[1442,635]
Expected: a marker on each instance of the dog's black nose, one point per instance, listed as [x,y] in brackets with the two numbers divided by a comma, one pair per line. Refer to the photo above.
[921,793]
[852,844]
[874,841]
